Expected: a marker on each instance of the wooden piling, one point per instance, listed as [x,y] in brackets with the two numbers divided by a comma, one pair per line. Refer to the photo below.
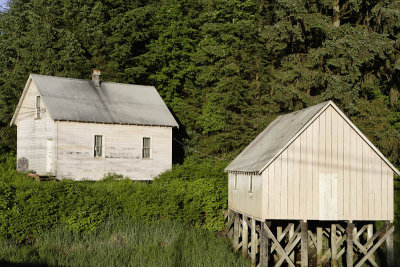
[304,243]
[389,246]
[333,246]
[236,227]
[253,242]
[245,236]
[350,240]
[264,246]
[319,246]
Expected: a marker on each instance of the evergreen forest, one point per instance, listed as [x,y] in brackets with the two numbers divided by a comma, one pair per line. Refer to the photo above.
[225,69]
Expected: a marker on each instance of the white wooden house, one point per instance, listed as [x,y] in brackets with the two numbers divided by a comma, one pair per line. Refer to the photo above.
[312,165]
[82,129]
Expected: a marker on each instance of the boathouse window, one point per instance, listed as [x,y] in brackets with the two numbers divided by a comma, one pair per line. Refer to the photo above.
[235,182]
[251,184]
[38,107]
[98,146]
[146,148]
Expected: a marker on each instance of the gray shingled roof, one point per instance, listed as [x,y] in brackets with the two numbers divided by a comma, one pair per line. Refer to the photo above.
[272,140]
[79,100]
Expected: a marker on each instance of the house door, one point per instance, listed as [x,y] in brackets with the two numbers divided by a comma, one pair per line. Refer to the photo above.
[50,155]
[328,196]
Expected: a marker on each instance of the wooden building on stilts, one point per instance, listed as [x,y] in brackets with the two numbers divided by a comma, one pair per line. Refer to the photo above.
[308,190]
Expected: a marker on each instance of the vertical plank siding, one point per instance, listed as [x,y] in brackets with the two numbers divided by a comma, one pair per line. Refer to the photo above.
[328,173]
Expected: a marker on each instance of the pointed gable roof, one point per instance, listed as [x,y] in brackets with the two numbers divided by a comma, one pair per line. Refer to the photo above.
[79,100]
[280,133]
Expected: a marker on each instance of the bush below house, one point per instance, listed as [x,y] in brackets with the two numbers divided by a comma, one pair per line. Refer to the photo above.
[194,193]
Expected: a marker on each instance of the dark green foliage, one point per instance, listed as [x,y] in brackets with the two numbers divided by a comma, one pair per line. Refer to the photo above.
[194,193]
[225,68]
[125,242]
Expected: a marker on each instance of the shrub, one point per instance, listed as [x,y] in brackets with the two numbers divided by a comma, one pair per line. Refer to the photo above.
[194,193]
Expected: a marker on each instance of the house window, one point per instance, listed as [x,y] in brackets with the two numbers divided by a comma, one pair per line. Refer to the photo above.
[235,183]
[251,184]
[146,148]
[98,146]
[38,107]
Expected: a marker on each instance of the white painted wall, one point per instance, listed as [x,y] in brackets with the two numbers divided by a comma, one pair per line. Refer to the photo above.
[240,198]
[70,145]
[122,150]
[328,173]
[32,133]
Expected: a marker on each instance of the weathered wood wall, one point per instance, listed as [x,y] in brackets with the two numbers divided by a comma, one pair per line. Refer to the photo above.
[328,173]
[122,150]
[32,134]
[68,147]
[240,199]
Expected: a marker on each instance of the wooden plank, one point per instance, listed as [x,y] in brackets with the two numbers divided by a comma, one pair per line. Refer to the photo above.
[309,177]
[319,246]
[350,239]
[253,242]
[264,246]
[245,237]
[365,181]
[340,166]
[291,236]
[271,187]
[315,174]
[328,136]
[278,180]
[296,178]
[236,227]
[390,195]
[389,246]
[375,247]
[346,172]
[303,176]
[359,168]
[333,246]
[279,247]
[371,185]
[353,175]
[377,176]
[384,191]
[290,182]
[304,244]
[321,165]
[284,185]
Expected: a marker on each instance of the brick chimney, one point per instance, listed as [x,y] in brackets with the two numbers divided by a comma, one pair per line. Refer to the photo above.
[95,77]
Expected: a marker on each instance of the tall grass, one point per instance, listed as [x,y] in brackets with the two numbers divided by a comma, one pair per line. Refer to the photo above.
[125,242]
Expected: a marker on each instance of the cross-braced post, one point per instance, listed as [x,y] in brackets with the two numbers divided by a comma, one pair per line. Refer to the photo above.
[389,245]
[245,236]
[350,238]
[264,244]
[304,243]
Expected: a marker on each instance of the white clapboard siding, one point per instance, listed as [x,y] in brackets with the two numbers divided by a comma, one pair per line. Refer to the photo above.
[329,172]
[33,134]
[66,149]
[122,150]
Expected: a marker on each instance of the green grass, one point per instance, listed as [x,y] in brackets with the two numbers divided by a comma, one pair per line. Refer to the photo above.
[121,242]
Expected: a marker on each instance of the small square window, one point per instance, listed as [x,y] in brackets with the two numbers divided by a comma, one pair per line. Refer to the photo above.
[146,148]
[38,107]
[98,146]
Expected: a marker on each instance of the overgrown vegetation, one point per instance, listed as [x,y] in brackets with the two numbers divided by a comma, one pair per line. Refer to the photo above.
[194,193]
[124,242]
